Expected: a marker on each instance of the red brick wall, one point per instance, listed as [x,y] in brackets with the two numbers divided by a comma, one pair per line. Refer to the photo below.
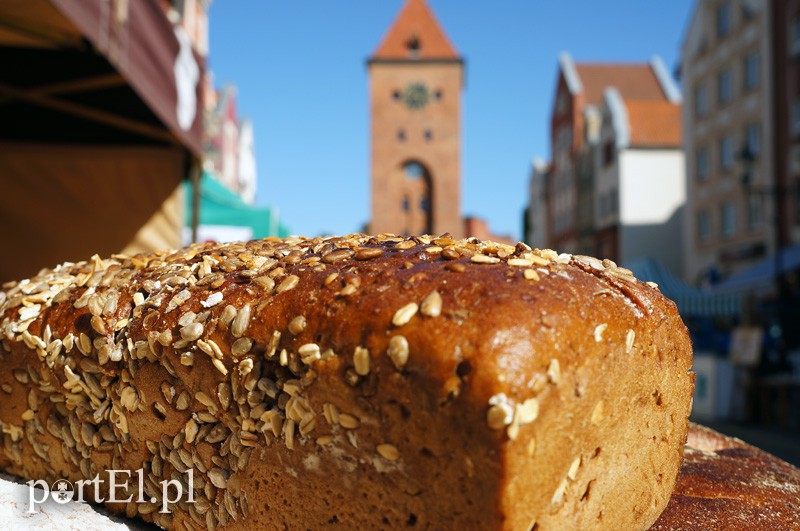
[431,137]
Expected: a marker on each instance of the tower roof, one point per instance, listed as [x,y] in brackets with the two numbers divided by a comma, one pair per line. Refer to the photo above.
[415,34]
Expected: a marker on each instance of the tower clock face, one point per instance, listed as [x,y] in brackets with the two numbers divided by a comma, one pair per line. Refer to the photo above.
[416,96]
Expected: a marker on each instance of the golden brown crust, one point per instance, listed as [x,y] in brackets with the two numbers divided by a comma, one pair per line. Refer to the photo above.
[368,382]
[725,484]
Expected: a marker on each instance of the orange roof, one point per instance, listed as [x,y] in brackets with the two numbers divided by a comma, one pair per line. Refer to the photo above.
[415,24]
[634,81]
[654,123]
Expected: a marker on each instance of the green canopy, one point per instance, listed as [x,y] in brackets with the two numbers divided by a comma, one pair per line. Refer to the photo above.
[225,217]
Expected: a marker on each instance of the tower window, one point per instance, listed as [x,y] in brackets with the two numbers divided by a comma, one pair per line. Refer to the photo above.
[396,95]
[428,135]
[401,135]
[437,94]
[424,204]
[413,47]
[406,205]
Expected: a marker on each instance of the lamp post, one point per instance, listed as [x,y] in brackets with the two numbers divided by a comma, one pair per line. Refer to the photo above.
[747,158]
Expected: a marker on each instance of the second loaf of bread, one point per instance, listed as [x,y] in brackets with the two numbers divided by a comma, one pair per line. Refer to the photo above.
[364,382]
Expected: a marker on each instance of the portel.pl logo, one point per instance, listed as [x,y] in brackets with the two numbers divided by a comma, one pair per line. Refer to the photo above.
[62,491]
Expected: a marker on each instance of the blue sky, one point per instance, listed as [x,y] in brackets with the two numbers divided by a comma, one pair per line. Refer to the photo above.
[301,77]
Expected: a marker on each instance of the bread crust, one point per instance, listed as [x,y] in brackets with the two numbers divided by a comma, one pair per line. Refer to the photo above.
[367,382]
[725,483]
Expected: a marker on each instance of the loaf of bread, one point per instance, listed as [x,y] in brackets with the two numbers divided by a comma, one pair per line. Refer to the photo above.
[727,484]
[356,382]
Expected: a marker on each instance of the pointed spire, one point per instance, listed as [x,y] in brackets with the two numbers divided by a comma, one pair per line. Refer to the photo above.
[415,34]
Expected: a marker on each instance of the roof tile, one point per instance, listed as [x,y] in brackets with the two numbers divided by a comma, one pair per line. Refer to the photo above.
[654,123]
[634,81]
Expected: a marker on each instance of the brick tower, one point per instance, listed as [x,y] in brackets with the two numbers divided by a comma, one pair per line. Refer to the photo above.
[416,78]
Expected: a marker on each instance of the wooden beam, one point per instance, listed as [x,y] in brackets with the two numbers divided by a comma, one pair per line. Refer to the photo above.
[49,37]
[80,85]
[74,85]
[89,113]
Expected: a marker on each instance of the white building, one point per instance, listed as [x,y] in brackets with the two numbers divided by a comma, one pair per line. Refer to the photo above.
[639,175]
[615,185]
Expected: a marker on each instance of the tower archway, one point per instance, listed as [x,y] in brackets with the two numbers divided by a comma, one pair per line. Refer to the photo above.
[417,201]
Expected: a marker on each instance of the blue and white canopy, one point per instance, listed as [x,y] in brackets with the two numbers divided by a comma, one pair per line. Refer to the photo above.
[691,301]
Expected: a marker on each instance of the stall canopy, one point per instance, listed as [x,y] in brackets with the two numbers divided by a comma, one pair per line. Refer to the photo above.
[225,217]
[691,302]
[100,122]
[760,277]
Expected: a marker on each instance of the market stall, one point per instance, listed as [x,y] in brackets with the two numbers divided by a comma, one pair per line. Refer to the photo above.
[100,123]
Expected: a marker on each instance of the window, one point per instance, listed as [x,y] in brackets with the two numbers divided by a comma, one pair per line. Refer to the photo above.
[752,74]
[424,204]
[700,101]
[752,138]
[561,103]
[406,205]
[613,200]
[703,226]
[723,19]
[726,153]
[396,95]
[565,137]
[401,135]
[794,36]
[727,215]
[796,118]
[428,134]
[603,206]
[724,88]
[755,212]
[608,153]
[797,202]
[437,94]
[701,159]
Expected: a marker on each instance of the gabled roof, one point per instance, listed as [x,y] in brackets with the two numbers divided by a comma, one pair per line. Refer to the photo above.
[633,81]
[654,123]
[416,23]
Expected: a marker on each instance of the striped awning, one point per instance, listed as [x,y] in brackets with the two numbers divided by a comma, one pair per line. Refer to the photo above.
[691,301]
[760,277]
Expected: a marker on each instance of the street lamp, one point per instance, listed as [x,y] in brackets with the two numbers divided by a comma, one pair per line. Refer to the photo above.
[747,158]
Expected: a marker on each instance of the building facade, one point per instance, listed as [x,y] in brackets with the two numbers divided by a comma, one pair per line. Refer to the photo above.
[228,144]
[638,178]
[535,223]
[785,20]
[727,76]
[605,145]
[415,80]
